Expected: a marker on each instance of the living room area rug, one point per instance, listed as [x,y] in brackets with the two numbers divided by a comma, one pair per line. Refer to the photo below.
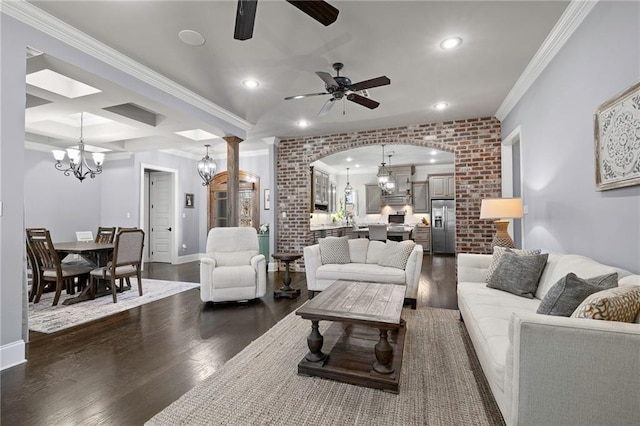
[441,383]
[49,319]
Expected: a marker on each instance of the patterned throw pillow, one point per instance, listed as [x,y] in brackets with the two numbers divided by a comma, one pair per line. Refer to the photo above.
[499,251]
[566,295]
[396,254]
[615,304]
[334,250]
[518,274]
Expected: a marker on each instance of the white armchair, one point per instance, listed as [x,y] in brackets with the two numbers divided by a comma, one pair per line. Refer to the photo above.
[232,268]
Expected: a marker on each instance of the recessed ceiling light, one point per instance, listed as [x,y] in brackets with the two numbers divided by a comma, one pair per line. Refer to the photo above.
[450,42]
[192,38]
[441,105]
[433,160]
[60,84]
[348,158]
[434,152]
[197,135]
[357,165]
[251,84]
[302,123]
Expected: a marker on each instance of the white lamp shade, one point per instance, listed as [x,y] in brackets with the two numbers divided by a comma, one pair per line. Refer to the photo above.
[98,158]
[58,154]
[501,208]
[74,155]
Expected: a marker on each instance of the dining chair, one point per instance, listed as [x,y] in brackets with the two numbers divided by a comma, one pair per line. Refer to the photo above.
[32,271]
[105,235]
[378,232]
[51,269]
[125,263]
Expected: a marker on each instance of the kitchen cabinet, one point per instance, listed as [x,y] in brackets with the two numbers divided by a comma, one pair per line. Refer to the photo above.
[420,191]
[442,186]
[321,190]
[373,199]
[422,236]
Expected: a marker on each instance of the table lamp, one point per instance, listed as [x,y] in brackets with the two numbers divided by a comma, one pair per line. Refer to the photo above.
[501,209]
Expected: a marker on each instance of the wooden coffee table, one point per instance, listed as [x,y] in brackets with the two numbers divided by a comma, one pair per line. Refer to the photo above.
[364,346]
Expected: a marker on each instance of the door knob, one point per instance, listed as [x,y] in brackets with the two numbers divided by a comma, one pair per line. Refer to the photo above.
[169,229]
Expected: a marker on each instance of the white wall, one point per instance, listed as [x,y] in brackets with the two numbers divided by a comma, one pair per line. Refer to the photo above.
[566,213]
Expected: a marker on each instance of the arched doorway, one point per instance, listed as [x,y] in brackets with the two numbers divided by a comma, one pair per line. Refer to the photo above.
[249,199]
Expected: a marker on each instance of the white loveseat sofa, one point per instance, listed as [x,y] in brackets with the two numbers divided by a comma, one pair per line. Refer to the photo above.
[364,266]
[550,370]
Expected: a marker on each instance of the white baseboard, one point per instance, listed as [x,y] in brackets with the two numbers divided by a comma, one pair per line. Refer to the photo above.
[12,354]
[188,258]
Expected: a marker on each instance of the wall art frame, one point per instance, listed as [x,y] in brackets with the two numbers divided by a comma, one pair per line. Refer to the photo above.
[189,201]
[267,199]
[617,140]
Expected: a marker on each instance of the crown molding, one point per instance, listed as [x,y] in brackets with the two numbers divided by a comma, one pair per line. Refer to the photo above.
[60,30]
[570,20]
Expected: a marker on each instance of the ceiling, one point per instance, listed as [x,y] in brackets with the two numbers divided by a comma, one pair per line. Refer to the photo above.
[399,39]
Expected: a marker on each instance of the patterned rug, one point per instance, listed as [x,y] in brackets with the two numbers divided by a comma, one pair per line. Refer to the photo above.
[441,383]
[48,319]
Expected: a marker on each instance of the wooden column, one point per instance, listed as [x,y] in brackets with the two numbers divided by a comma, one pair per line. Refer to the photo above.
[233,180]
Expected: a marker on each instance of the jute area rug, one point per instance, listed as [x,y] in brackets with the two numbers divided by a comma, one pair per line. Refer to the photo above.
[441,383]
[48,319]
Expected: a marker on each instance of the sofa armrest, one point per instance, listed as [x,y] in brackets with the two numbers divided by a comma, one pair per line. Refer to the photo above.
[260,265]
[473,267]
[207,265]
[312,261]
[572,371]
[412,272]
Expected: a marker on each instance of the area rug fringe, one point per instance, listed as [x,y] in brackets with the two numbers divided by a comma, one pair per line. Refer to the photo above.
[49,319]
[441,383]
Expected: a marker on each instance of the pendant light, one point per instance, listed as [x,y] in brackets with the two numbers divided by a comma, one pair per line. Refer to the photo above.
[383,173]
[207,168]
[348,189]
[77,159]
[390,186]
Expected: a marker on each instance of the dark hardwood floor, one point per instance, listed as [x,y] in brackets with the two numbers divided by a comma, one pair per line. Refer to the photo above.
[125,368]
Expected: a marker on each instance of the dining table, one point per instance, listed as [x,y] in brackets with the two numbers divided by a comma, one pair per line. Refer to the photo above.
[97,254]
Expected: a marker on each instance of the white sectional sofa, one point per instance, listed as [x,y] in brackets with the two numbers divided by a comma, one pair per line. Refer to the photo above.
[364,266]
[549,370]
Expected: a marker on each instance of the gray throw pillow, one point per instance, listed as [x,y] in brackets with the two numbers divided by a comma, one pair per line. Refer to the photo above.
[518,274]
[499,251]
[396,254]
[565,296]
[334,250]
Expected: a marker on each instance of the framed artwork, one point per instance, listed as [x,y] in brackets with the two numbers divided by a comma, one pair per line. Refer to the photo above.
[617,140]
[188,201]
[267,199]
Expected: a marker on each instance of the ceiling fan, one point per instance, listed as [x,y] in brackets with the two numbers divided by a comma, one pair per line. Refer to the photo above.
[340,87]
[319,10]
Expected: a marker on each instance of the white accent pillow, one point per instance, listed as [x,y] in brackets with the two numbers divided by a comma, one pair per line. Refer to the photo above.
[334,250]
[358,250]
[374,251]
[396,254]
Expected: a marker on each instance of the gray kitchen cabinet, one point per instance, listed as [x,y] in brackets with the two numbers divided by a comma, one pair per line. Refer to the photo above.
[442,186]
[373,198]
[321,190]
[420,191]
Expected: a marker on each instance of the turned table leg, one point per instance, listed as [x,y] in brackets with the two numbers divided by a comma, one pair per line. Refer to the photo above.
[384,355]
[315,341]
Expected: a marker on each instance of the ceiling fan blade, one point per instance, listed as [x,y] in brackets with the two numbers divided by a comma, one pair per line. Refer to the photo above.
[305,96]
[327,107]
[328,79]
[368,84]
[319,10]
[245,18]
[369,103]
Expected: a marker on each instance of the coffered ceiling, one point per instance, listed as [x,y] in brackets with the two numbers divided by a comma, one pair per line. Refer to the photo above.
[399,39]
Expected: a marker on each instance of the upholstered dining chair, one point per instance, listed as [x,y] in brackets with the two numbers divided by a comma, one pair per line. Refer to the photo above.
[232,268]
[378,232]
[51,269]
[125,263]
[33,271]
[105,235]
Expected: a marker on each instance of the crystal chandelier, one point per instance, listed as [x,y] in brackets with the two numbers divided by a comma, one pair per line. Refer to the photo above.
[390,186]
[383,173]
[77,159]
[348,189]
[207,168]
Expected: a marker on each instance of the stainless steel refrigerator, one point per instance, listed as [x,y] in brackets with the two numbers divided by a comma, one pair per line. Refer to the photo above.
[443,226]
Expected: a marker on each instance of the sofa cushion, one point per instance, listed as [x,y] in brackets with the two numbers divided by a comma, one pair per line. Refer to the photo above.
[358,250]
[518,274]
[334,250]
[361,272]
[567,294]
[396,254]
[615,304]
[499,251]
[234,276]
[236,258]
[374,251]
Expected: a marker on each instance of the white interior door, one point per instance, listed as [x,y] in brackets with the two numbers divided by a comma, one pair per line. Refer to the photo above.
[160,216]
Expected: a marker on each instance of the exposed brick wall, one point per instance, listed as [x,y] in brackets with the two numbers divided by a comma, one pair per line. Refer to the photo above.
[475,143]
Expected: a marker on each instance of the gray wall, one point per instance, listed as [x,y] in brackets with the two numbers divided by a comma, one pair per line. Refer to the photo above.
[566,214]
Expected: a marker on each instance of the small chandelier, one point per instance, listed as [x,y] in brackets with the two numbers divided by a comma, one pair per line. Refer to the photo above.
[348,189]
[391,183]
[383,173]
[207,168]
[77,160]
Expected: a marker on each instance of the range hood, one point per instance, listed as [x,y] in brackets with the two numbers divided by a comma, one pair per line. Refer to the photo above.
[396,199]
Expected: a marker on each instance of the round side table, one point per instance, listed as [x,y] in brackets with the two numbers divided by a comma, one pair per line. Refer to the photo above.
[286,290]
